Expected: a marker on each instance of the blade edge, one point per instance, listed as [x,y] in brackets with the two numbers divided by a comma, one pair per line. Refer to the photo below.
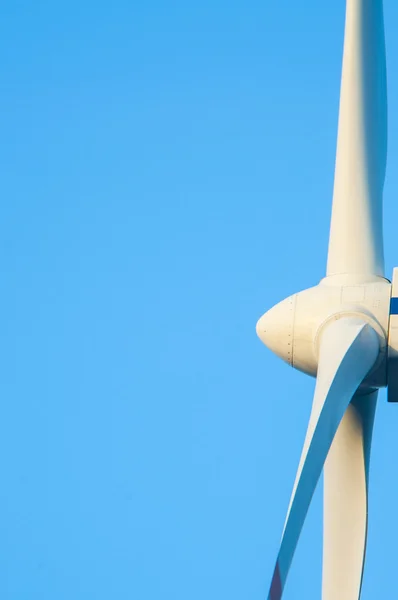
[348,350]
[346,479]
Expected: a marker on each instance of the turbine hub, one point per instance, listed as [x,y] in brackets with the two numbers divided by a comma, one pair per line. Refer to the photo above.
[275,329]
[292,328]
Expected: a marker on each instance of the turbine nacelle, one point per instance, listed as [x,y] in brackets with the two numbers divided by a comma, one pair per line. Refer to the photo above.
[293,327]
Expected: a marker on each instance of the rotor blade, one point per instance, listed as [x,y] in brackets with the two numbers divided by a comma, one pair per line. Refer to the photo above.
[348,349]
[346,501]
[356,236]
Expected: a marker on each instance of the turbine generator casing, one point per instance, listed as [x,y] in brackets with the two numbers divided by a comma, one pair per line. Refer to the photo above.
[292,328]
[392,391]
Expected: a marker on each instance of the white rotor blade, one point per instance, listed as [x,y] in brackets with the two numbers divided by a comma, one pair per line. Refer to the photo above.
[356,236]
[346,501]
[348,349]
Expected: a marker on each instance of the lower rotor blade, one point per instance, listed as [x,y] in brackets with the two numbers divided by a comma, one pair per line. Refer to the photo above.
[346,477]
[348,350]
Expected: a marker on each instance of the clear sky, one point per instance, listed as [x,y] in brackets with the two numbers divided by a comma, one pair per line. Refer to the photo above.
[167,172]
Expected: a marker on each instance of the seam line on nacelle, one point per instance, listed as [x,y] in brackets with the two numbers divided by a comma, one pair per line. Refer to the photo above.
[294,325]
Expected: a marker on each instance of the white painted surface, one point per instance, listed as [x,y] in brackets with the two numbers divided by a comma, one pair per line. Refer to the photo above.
[291,329]
[356,236]
[349,348]
[346,501]
[338,329]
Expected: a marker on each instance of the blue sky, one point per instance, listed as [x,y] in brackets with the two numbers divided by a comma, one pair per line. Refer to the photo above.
[167,173]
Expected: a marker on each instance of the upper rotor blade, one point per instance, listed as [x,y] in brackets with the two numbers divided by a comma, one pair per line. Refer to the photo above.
[346,477]
[348,350]
[356,235]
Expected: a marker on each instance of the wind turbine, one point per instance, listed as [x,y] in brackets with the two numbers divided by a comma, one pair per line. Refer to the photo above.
[344,330]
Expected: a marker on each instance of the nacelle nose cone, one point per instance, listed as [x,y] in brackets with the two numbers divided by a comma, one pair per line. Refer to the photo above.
[275,329]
